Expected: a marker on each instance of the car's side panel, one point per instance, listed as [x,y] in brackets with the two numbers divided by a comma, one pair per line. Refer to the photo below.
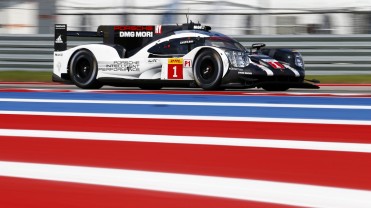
[61,61]
[182,68]
[129,67]
[144,51]
[110,65]
[176,69]
[101,53]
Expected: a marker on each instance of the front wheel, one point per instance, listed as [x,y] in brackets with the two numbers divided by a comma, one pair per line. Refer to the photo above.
[84,70]
[208,70]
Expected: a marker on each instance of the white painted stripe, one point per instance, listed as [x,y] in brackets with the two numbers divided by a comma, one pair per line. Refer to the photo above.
[293,70]
[243,189]
[264,68]
[185,117]
[138,102]
[199,140]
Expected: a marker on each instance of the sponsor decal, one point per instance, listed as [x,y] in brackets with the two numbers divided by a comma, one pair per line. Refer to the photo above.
[187,63]
[59,39]
[58,54]
[245,72]
[121,66]
[133,28]
[198,27]
[183,42]
[175,68]
[135,31]
[60,26]
[175,61]
[235,69]
[136,34]
[158,29]
[153,61]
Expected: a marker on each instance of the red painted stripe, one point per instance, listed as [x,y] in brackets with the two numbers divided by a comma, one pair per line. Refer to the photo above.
[241,129]
[339,169]
[16,192]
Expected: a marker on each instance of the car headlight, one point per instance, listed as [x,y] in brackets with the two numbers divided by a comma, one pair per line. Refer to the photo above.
[299,61]
[238,58]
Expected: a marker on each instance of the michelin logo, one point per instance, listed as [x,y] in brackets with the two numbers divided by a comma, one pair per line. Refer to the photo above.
[59,39]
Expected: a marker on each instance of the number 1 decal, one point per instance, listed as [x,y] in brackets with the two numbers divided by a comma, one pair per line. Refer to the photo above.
[175,68]
[174,74]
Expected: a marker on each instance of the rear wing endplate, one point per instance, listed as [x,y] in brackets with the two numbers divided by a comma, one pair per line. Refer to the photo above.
[61,33]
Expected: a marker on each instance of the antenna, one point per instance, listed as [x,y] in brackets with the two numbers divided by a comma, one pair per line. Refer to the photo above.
[187,15]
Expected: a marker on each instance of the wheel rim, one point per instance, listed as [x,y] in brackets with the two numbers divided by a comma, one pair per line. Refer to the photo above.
[207,69]
[83,69]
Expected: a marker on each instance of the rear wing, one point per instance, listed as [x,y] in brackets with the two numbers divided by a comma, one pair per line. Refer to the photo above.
[130,37]
[61,34]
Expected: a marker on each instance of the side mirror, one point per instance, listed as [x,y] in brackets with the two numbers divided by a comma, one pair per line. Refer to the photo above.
[258,46]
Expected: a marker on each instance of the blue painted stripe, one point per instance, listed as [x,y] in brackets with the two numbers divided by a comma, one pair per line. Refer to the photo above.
[264,112]
[190,98]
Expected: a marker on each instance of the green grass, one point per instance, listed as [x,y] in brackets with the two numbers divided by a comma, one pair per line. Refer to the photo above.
[25,76]
[31,76]
[341,79]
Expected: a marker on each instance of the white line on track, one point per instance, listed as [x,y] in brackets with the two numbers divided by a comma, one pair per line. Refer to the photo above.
[244,189]
[198,140]
[137,102]
[186,117]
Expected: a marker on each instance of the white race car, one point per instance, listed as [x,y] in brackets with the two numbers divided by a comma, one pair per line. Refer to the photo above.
[188,55]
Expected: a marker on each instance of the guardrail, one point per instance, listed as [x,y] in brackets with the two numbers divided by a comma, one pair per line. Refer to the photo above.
[323,54]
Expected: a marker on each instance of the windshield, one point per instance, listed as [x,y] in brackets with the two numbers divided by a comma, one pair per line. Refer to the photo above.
[224,42]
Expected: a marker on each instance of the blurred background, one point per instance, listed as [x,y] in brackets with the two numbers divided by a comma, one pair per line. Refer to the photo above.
[334,37]
[233,17]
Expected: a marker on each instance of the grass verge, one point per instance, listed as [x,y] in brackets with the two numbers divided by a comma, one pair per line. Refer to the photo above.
[341,79]
[25,76]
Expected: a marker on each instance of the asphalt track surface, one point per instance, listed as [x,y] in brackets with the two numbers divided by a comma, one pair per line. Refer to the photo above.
[123,147]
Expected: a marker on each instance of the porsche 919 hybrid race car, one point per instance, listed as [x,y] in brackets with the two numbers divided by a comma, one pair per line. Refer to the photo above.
[188,55]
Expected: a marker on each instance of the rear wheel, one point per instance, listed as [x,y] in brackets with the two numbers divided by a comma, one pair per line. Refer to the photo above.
[208,70]
[84,70]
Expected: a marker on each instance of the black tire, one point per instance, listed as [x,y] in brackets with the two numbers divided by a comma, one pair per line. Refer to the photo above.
[275,88]
[84,70]
[208,70]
